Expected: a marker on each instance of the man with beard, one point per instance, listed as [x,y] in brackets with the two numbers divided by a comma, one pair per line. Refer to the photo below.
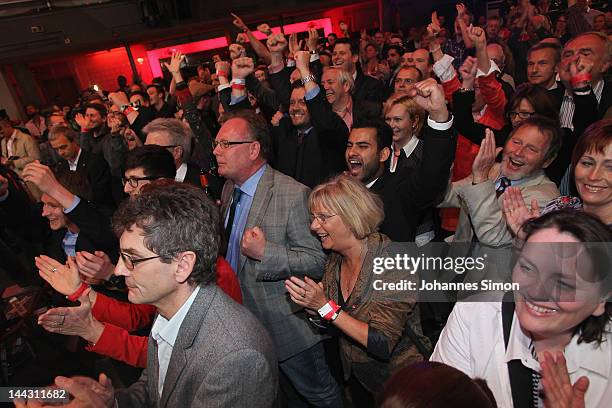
[308,145]
[407,193]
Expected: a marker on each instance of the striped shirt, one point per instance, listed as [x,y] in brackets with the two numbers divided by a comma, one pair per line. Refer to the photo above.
[566,114]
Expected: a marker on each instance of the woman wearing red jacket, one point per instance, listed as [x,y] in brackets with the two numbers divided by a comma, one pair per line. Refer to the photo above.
[105,322]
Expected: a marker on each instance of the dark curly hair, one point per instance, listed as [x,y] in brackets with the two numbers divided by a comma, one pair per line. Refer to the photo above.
[588,229]
[175,217]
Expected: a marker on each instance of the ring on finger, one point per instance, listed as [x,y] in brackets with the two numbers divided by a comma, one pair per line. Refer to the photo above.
[304,294]
[54,270]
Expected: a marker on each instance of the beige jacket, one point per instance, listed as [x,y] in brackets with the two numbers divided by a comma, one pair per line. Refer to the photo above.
[478,203]
[25,147]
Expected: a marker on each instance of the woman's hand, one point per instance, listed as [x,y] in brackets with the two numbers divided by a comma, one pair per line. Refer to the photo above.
[558,390]
[73,321]
[63,278]
[306,293]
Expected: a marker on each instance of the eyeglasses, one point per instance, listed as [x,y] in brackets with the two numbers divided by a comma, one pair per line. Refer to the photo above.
[130,263]
[321,218]
[521,115]
[133,181]
[225,144]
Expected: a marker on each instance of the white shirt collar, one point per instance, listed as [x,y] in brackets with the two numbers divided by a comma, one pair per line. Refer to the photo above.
[167,330]
[371,183]
[408,149]
[181,172]
[592,356]
[74,163]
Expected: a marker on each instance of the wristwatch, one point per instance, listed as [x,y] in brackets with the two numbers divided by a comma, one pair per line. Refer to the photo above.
[308,78]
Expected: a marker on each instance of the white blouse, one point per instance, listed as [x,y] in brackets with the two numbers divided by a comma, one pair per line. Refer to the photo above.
[473,342]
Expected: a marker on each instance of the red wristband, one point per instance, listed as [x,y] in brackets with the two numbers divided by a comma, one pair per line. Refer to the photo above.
[328,311]
[128,110]
[580,78]
[222,73]
[76,295]
[238,86]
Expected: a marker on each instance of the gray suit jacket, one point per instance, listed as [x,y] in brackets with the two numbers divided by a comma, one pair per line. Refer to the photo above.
[280,209]
[222,357]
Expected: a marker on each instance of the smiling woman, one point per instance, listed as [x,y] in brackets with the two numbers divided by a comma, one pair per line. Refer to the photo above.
[592,173]
[372,329]
[563,306]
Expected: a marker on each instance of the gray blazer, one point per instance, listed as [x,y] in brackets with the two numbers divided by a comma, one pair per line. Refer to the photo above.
[222,357]
[280,209]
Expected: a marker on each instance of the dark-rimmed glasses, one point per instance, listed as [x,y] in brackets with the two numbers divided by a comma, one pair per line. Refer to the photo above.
[225,144]
[521,115]
[130,263]
[133,181]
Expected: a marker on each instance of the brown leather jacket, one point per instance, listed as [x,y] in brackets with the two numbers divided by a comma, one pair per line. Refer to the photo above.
[386,313]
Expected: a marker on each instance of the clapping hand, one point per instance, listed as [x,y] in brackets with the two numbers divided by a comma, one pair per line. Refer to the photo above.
[306,293]
[86,393]
[82,121]
[73,321]
[95,265]
[174,67]
[63,278]
[485,158]
[517,212]
[294,45]
[558,390]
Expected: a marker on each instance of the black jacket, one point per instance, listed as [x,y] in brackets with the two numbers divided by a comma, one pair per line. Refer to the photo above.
[95,233]
[95,169]
[408,193]
[368,88]
[321,152]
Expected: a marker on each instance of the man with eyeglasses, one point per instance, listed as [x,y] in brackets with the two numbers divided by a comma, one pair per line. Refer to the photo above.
[266,221]
[201,343]
[406,78]
[145,164]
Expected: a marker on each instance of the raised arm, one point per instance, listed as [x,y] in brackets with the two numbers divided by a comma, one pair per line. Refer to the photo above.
[259,48]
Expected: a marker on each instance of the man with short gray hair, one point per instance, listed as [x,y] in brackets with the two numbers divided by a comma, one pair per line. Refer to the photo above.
[175,136]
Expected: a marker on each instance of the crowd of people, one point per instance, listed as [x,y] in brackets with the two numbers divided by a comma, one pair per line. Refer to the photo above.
[234,211]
